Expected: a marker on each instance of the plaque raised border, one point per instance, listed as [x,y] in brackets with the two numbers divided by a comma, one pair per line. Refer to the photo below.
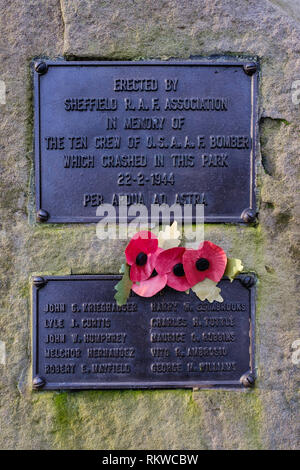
[231,214]
[246,379]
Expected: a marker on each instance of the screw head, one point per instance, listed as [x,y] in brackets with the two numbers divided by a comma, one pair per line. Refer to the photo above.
[42,216]
[248,280]
[248,380]
[38,281]
[38,382]
[248,216]
[40,67]
[250,68]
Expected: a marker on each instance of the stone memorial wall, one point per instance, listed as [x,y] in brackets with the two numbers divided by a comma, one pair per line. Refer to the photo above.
[34,247]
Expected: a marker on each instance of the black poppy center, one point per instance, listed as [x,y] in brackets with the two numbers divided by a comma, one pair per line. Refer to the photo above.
[178,270]
[202,264]
[141,259]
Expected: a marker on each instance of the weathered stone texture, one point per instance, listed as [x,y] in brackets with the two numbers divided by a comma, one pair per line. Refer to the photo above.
[263,418]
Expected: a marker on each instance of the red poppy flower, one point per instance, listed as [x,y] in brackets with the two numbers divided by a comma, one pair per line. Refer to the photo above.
[170,262]
[141,255]
[208,261]
[151,286]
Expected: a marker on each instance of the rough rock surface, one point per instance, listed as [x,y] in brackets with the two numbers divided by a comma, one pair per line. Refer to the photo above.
[265,417]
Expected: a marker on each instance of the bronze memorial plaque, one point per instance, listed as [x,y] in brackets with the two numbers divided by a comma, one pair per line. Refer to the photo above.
[156,132]
[83,340]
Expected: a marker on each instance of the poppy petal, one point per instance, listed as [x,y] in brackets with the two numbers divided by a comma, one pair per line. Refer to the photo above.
[144,242]
[217,259]
[167,259]
[189,265]
[217,263]
[145,235]
[151,286]
[179,283]
[154,256]
[141,273]
[133,248]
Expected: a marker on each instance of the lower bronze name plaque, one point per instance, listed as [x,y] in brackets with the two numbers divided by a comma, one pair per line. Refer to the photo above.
[83,340]
[155,133]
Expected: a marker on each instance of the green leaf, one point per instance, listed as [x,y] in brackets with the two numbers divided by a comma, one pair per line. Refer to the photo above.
[122,268]
[170,237]
[208,290]
[233,268]
[124,286]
